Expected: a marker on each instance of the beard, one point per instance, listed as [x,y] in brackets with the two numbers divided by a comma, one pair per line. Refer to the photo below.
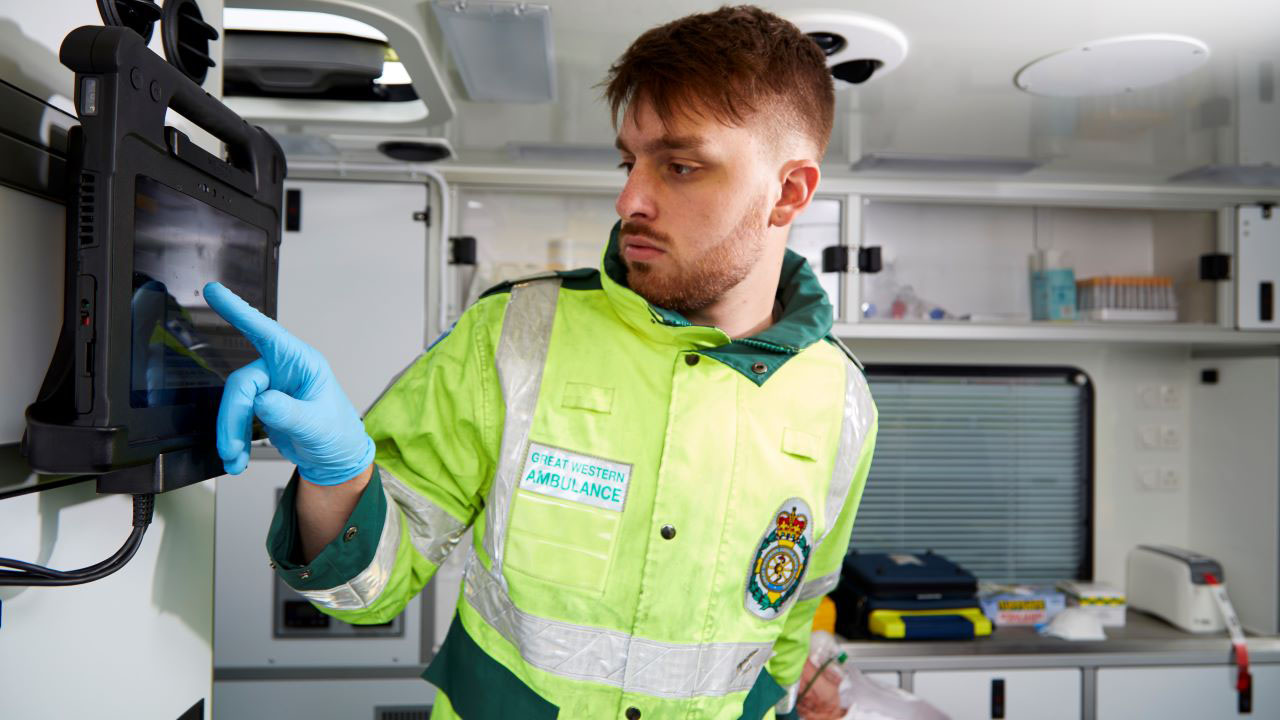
[696,284]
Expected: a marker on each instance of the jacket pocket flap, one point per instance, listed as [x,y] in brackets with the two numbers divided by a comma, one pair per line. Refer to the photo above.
[587,397]
[801,444]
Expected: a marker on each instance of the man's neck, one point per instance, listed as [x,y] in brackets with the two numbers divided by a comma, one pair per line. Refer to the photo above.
[747,308]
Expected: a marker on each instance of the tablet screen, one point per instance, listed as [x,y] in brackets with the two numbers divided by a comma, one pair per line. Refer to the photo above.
[182,351]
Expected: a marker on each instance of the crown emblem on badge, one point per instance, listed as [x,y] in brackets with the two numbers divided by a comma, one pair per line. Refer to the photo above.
[790,526]
[780,561]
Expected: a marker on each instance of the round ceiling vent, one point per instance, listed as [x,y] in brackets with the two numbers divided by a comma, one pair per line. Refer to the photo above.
[1114,65]
[858,47]
[186,39]
[139,16]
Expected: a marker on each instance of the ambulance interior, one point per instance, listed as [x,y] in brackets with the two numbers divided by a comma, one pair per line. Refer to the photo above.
[1049,231]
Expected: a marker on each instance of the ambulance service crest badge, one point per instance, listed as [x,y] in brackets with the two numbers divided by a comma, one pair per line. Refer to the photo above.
[782,556]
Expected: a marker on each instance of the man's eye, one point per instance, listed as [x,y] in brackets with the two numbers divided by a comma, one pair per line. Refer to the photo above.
[682,170]
[626,166]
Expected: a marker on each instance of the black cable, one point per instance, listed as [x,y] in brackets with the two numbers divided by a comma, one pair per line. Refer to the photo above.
[31,575]
[41,487]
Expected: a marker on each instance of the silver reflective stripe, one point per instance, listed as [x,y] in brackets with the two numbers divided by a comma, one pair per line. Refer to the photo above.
[859,411]
[817,587]
[432,530]
[522,351]
[669,670]
[579,652]
[362,590]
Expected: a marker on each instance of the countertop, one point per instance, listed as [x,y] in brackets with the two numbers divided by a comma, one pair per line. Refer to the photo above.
[1144,640]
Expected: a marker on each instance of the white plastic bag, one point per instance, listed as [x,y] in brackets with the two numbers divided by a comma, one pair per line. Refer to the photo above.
[863,698]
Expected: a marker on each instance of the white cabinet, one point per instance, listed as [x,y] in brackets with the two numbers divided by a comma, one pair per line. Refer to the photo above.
[1191,692]
[892,679]
[353,279]
[1012,694]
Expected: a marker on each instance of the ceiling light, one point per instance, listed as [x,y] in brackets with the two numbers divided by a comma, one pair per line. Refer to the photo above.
[393,73]
[1113,65]
[298,21]
[502,50]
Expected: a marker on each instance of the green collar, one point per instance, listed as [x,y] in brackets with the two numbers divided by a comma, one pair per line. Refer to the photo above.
[806,318]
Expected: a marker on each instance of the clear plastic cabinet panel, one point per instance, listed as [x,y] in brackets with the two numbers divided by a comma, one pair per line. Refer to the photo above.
[973,263]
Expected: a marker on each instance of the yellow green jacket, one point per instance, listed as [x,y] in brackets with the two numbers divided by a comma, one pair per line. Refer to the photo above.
[657,508]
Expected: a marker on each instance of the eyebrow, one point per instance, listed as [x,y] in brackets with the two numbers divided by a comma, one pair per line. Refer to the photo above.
[666,142]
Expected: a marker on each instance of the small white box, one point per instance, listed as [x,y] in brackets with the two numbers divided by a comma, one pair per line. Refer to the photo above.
[1101,599]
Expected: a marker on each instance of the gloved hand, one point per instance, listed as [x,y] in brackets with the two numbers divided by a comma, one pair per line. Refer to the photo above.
[292,390]
[821,698]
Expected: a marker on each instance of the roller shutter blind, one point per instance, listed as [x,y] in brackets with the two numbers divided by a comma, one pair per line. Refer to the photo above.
[990,467]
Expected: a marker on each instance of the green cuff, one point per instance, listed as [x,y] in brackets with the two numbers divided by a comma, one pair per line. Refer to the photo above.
[344,557]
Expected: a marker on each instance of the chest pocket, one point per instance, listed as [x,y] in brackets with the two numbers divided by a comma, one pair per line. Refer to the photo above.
[565,518]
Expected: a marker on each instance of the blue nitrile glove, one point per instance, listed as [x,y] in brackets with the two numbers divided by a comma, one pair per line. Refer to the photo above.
[292,390]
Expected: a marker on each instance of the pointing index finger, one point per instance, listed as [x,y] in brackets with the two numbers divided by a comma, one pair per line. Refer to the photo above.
[256,327]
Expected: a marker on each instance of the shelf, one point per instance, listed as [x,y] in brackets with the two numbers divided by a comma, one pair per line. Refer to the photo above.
[1143,640]
[1144,333]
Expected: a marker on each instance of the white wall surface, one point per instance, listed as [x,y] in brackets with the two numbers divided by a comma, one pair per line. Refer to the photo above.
[31,271]
[137,644]
[1236,428]
[1126,513]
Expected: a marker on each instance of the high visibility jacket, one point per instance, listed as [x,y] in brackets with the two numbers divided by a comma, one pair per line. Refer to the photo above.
[657,508]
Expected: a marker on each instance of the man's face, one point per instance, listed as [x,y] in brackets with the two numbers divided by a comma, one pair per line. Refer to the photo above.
[695,208]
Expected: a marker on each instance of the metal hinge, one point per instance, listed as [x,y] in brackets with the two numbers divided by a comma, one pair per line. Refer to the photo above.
[423,216]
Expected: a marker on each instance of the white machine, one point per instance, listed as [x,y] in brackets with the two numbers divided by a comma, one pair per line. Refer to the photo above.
[1173,584]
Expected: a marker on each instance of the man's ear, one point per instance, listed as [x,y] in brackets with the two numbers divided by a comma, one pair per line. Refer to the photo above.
[799,182]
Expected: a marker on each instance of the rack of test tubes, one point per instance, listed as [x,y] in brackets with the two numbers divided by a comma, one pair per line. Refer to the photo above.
[1132,298]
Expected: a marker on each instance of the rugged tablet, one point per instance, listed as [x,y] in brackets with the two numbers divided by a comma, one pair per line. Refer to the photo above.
[134,385]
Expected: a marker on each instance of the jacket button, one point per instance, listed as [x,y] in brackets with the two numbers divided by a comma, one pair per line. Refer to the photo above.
[633,713]
[691,359]
[350,533]
[759,368]
[668,532]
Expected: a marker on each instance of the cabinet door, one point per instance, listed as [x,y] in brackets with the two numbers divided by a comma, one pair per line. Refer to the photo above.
[1184,692]
[353,279]
[1007,694]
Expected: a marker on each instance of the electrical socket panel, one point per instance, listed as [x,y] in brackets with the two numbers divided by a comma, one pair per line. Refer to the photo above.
[1148,396]
[1158,479]
[1148,437]
[1159,396]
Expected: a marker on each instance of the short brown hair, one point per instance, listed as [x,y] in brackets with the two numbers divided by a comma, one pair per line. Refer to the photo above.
[731,64]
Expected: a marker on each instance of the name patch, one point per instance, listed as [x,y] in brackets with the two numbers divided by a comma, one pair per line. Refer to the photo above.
[579,478]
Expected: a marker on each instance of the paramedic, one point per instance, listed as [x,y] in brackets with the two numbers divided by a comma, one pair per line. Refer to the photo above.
[660,459]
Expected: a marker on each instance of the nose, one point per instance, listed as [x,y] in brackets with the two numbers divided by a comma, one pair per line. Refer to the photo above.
[636,201]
